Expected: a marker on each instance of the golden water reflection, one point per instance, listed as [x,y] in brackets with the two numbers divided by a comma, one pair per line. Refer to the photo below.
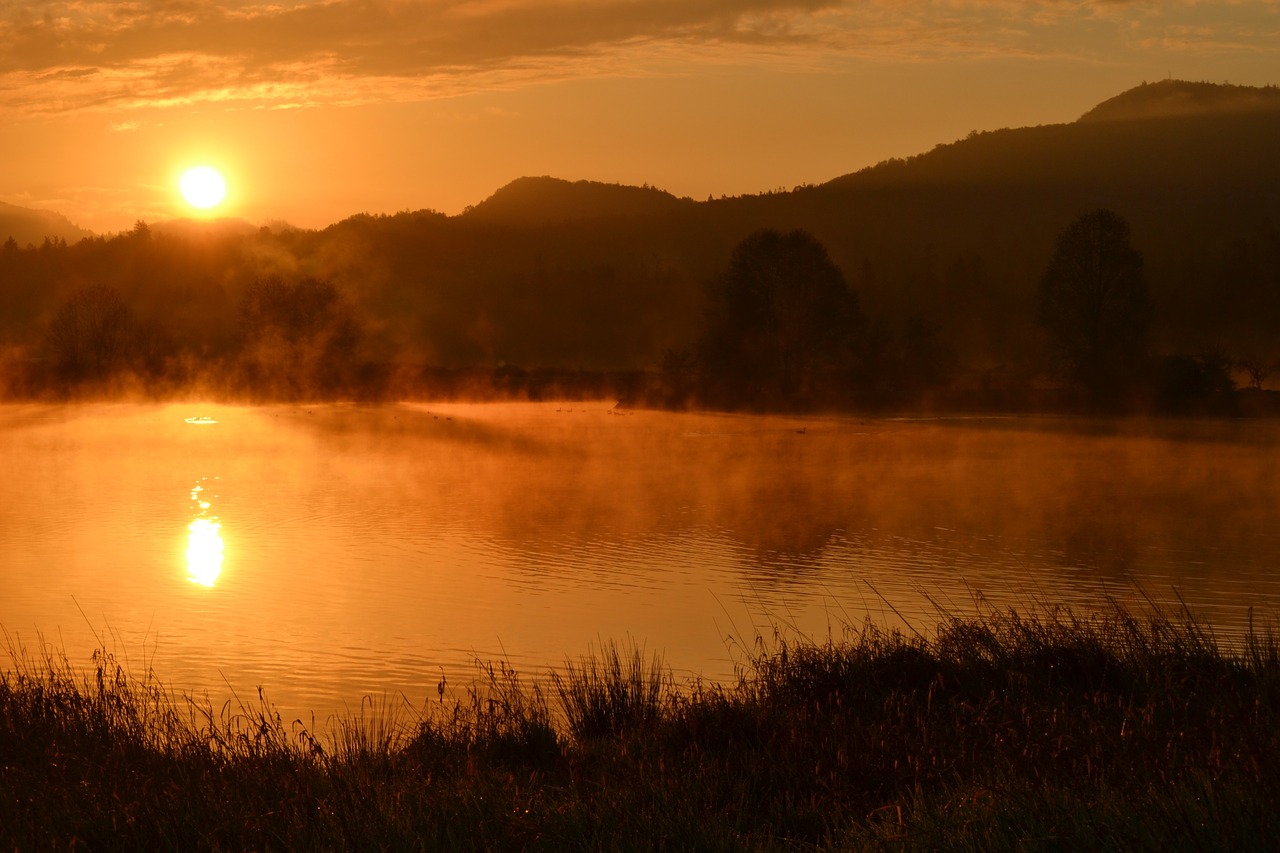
[204,542]
[363,547]
[204,551]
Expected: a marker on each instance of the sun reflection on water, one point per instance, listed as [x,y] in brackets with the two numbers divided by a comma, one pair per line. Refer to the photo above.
[204,542]
[204,551]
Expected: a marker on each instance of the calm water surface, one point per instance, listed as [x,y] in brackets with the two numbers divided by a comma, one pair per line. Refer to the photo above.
[331,552]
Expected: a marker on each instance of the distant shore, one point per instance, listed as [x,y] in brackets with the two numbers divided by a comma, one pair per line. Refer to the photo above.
[639,389]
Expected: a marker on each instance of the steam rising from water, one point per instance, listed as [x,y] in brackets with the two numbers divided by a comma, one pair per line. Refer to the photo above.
[375,545]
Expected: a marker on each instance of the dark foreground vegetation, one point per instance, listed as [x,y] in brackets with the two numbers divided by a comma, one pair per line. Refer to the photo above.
[1003,731]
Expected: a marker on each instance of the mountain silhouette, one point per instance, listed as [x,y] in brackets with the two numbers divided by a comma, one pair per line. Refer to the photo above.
[1168,98]
[1142,138]
[945,249]
[564,273]
[543,200]
[27,226]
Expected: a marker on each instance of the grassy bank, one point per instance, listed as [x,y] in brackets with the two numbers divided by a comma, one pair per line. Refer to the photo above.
[1046,730]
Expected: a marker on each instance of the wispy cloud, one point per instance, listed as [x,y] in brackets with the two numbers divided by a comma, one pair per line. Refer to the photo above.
[78,54]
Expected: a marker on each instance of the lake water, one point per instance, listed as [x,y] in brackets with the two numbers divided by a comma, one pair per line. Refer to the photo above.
[327,553]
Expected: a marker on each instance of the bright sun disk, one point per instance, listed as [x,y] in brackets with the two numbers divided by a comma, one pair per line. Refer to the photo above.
[203,187]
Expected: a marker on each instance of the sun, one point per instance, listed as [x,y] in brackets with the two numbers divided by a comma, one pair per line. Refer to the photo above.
[203,187]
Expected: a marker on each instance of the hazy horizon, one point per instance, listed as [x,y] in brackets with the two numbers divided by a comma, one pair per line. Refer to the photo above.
[318,111]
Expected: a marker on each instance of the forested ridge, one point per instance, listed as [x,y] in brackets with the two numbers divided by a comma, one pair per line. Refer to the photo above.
[613,288]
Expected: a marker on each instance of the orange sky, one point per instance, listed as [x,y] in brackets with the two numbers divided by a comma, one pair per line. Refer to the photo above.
[318,109]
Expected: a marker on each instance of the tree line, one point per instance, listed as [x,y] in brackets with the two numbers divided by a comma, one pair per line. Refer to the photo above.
[778,326]
[784,330]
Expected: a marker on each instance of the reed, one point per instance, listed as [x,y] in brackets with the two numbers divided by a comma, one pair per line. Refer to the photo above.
[1002,730]
[612,692]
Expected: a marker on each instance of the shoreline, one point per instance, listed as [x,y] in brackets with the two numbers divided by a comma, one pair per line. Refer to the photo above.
[1126,729]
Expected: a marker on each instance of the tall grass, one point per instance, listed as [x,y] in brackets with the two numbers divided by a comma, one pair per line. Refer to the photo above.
[611,692]
[1118,730]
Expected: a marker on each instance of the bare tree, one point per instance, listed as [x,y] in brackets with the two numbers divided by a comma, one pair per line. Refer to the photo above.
[1257,369]
[91,335]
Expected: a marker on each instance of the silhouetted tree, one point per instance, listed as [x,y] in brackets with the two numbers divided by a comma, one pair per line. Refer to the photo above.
[297,311]
[1257,369]
[780,319]
[1194,384]
[1093,302]
[297,338]
[91,335]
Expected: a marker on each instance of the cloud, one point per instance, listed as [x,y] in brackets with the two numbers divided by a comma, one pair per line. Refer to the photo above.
[78,54]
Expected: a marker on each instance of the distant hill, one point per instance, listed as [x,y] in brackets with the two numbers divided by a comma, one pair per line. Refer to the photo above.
[548,200]
[28,226]
[958,235]
[559,273]
[1151,136]
[944,249]
[1192,168]
[1169,98]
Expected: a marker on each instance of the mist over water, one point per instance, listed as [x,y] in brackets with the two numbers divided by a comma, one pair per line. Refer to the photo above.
[329,552]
